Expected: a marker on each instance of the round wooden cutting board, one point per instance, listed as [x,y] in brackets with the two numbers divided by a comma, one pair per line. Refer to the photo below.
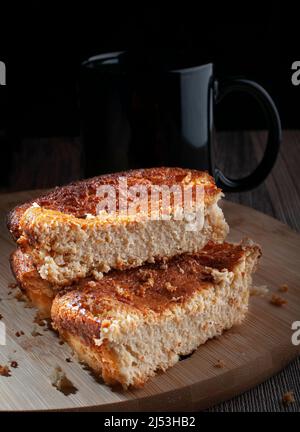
[252,352]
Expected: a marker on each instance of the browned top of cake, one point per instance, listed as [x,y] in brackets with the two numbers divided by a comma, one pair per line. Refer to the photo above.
[79,198]
[152,288]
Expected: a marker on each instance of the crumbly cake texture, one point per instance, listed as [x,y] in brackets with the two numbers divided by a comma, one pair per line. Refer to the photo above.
[66,245]
[133,323]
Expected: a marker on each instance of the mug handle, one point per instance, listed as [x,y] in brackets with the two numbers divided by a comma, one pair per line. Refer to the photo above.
[274,136]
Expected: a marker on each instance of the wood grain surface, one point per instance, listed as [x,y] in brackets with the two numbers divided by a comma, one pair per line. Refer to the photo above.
[251,352]
[237,153]
[279,196]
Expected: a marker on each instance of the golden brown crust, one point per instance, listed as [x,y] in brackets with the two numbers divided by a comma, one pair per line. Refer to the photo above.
[104,360]
[79,198]
[38,291]
[152,288]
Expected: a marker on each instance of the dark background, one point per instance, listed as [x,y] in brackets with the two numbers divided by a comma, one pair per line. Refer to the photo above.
[43,44]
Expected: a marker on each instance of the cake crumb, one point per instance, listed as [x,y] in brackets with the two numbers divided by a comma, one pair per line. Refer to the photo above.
[4,371]
[288,398]
[92,284]
[35,333]
[150,281]
[125,293]
[277,300]
[146,283]
[283,288]
[14,364]
[39,319]
[61,342]
[12,285]
[97,275]
[180,269]
[164,266]
[176,299]
[19,333]
[259,291]
[194,269]
[119,290]
[171,288]
[145,275]
[68,360]
[60,381]
[220,364]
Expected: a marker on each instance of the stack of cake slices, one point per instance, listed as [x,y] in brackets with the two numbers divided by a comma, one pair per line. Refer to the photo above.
[129,291]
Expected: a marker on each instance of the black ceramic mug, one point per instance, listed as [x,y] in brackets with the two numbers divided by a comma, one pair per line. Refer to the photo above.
[136,119]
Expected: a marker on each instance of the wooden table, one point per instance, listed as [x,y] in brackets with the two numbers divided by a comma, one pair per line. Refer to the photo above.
[278,196]
[236,153]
